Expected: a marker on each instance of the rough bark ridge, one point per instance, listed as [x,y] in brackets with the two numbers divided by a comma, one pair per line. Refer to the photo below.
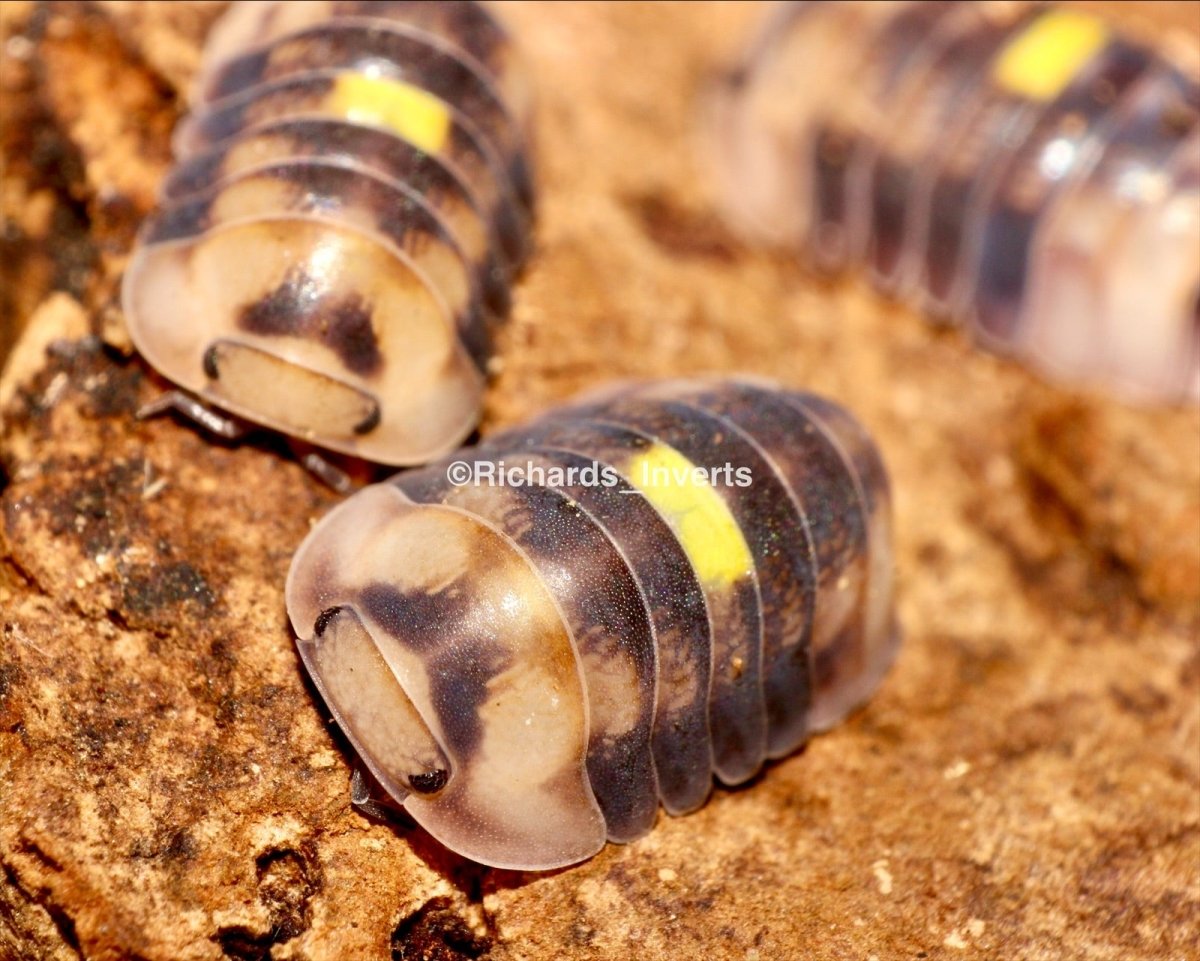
[1024,785]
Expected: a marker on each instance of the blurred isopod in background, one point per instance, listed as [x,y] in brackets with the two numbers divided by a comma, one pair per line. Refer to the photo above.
[1024,171]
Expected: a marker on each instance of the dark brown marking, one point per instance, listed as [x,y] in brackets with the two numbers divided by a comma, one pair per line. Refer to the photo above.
[413,616]
[458,684]
[300,307]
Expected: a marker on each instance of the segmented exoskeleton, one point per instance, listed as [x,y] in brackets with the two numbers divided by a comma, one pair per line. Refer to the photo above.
[533,646]
[335,245]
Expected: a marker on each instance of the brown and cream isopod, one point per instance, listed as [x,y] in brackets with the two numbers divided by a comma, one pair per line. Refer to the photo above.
[1022,170]
[351,201]
[533,646]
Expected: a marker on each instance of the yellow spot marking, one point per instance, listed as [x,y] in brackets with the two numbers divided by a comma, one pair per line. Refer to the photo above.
[415,114]
[696,513]
[1044,57]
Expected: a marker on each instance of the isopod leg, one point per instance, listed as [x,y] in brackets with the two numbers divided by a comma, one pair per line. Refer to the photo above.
[370,798]
[195,410]
[323,469]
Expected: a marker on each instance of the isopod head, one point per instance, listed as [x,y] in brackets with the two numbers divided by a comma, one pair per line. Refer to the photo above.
[308,328]
[454,679]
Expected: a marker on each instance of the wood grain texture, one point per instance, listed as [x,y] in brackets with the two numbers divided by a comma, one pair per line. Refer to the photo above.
[1024,785]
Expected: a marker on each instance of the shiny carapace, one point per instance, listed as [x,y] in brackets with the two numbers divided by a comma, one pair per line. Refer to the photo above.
[335,244]
[536,642]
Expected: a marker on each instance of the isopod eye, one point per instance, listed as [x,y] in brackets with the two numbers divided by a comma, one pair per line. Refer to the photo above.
[430,782]
[324,618]
[372,707]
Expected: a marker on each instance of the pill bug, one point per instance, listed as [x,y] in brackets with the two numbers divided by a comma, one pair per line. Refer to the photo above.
[335,244]
[1021,170]
[533,663]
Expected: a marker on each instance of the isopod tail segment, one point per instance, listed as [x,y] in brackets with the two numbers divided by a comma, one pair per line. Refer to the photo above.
[334,250]
[684,578]
[1021,170]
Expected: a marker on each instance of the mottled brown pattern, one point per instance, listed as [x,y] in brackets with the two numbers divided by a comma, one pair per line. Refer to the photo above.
[1023,787]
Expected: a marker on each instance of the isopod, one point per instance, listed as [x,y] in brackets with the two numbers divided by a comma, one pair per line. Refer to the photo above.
[1022,170]
[533,643]
[335,245]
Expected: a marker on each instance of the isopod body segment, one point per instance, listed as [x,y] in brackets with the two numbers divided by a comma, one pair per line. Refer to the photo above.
[1023,170]
[682,578]
[335,245]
